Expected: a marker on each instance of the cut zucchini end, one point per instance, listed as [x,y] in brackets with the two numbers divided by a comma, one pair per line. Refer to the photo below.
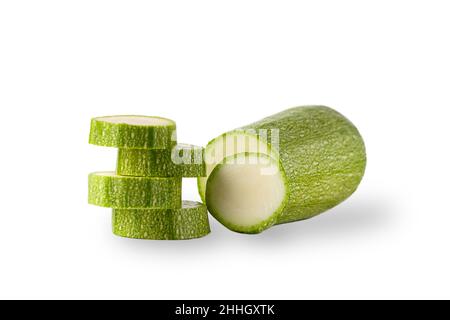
[247,192]
[228,144]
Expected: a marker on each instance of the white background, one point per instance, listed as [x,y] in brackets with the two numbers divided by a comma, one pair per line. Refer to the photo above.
[213,66]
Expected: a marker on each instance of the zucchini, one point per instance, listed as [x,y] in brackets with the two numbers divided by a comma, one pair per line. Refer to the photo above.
[321,152]
[106,189]
[137,132]
[188,222]
[182,161]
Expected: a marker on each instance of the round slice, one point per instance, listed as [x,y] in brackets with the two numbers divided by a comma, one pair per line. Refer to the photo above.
[183,160]
[189,222]
[106,189]
[247,192]
[138,132]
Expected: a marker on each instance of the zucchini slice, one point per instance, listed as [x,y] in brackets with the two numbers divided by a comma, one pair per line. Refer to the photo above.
[188,222]
[136,132]
[182,160]
[107,189]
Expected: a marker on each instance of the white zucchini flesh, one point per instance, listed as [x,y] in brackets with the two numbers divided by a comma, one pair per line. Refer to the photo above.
[229,144]
[247,192]
[137,120]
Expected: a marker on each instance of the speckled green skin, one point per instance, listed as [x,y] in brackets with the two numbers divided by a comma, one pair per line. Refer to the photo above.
[189,222]
[159,163]
[323,156]
[122,192]
[122,135]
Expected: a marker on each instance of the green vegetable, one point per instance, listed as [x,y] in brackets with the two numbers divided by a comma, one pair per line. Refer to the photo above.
[188,222]
[137,132]
[107,189]
[183,161]
[321,152]
[247,192]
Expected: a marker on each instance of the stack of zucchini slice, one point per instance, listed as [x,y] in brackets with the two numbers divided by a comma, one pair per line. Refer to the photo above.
[145,190]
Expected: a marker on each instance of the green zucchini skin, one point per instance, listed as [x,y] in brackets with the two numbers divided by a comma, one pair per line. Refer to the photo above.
[189,222]
[323,156]
[122,135]
[107,189]
[181,161]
